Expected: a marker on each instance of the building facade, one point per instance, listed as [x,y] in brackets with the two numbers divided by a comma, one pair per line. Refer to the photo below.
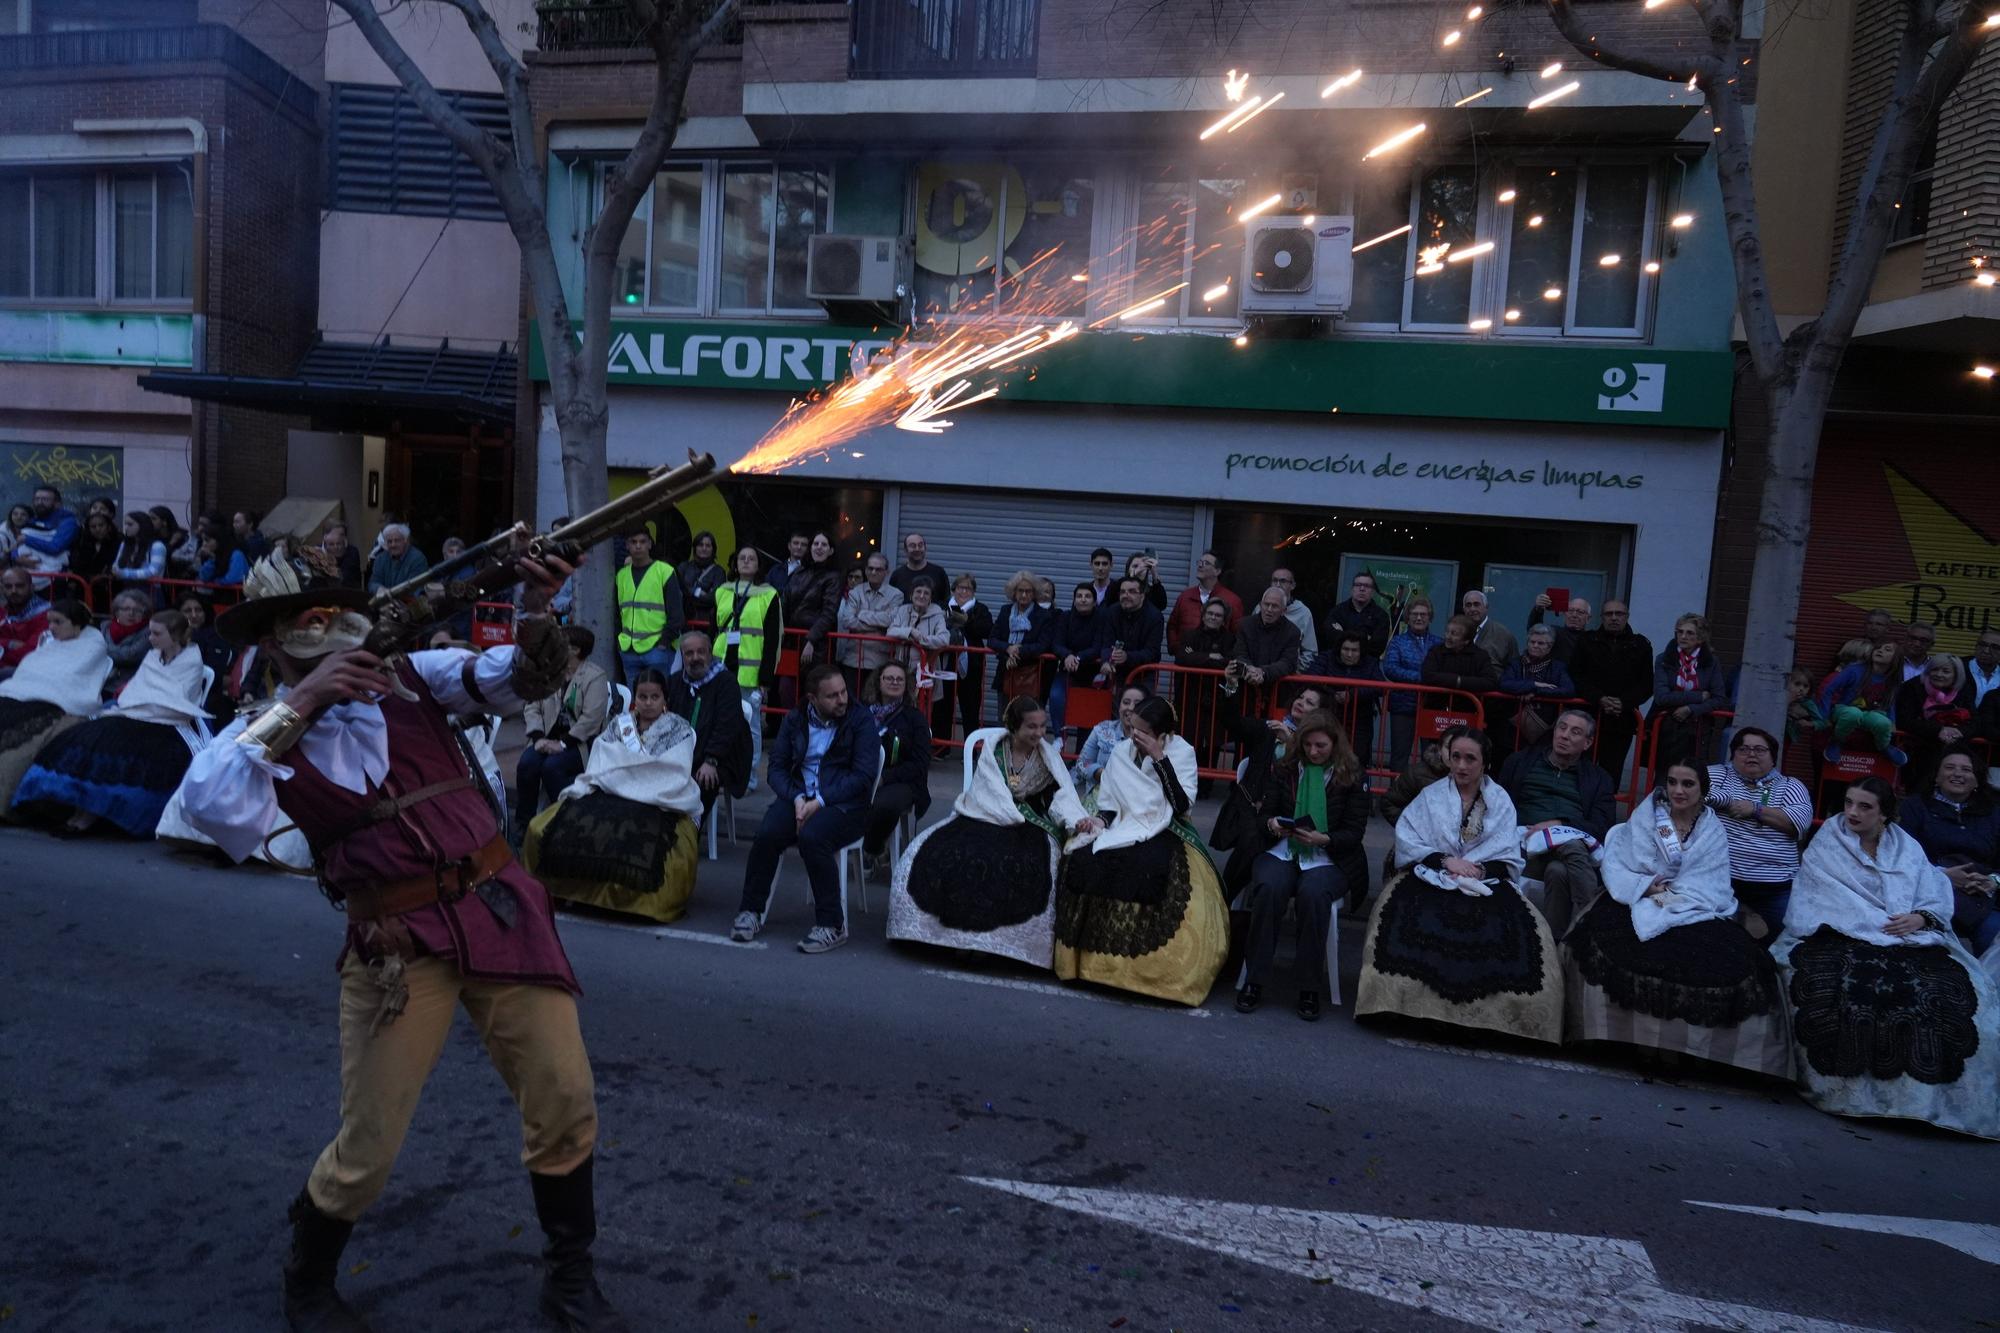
[158,203]
[1904,493]
[237,265]
[1546,413]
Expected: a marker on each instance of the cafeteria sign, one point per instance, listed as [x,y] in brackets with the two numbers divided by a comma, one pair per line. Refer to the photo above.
[1957,583]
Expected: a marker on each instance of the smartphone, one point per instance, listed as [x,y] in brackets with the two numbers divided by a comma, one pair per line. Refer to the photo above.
[1284,821]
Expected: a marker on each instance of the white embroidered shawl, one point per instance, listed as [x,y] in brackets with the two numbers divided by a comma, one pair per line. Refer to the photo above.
[69,675]
[1431,823]
[988,799]
[1841,886]
[165,692]
[1635,854]
[1135,791]
[653,767]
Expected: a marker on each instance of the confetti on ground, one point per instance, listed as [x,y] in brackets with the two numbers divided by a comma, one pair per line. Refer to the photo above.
[361,1267]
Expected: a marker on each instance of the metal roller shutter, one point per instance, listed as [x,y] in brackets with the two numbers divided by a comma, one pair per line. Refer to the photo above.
[992,535]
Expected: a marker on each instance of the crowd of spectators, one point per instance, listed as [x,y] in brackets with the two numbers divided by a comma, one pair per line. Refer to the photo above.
[874,670]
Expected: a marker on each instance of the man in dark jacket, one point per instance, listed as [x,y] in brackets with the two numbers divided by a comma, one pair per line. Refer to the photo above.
[1613,668]
[822,777]
[1555,786]
[1360,614]
[1575,624]
[706,693]
[1267,642]
[1132,639]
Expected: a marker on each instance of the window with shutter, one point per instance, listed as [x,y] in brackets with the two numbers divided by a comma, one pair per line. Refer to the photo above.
[385,156]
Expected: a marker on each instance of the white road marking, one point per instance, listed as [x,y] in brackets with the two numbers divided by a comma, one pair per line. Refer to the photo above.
[1494,1277]
[664,932]
[1560,1066]
[1049,988]
[1978,1239]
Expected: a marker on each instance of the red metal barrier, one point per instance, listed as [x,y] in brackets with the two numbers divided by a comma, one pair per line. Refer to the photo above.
[492,624]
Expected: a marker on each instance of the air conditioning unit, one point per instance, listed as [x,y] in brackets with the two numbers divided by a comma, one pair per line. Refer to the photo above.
[1297,266]
[856,268]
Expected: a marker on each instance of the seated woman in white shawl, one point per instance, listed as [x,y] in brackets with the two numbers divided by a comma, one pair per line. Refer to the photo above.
[1140,906]
[58,685]
[622,836]
[124,764]
[1450,938]
[985,878]
[1659,960]
[1891,1015]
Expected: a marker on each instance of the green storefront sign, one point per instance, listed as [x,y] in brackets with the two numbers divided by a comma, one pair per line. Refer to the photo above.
[1492,380]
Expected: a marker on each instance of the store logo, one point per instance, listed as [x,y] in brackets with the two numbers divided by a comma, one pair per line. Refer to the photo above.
[1957,583]
[739,357]
[1639,387]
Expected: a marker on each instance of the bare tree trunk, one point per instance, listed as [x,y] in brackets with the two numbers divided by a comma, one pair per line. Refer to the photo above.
[1784,522]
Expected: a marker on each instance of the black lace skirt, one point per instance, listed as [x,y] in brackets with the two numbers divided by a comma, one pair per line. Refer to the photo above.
[23,721]
[1463,948]
[1126,902]
[607,840]
[975,876]
[1882,1012]
[1711,973]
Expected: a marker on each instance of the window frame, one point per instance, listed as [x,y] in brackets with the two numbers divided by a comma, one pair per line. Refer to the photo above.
[708,254]
[1505,175]
[1123,186]
[103,179]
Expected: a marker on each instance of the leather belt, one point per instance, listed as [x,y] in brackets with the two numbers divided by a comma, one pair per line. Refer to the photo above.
[446,884]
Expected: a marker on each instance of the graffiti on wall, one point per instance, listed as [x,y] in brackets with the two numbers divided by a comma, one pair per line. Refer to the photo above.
[81,472]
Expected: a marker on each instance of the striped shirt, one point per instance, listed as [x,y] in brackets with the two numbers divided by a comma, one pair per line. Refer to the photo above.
[1759,853]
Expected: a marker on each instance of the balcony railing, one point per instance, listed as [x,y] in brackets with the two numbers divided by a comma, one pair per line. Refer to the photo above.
[920,39]
[586,25]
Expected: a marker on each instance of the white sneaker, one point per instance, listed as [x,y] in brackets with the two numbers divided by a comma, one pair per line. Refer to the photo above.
[823,939]
[746,927]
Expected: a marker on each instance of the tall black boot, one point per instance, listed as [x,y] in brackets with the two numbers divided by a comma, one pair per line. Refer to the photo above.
[311,1303]
[571,1297]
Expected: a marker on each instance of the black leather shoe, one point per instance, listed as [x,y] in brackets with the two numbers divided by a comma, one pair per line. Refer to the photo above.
[311,1303]
[1249,998]
[1309,1005]
[567,1208]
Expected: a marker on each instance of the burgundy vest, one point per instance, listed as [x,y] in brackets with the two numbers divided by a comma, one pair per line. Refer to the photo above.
[439,831]
[434,833]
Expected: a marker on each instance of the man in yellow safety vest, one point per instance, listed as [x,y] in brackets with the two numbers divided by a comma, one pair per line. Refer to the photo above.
[749,630]
[649,610]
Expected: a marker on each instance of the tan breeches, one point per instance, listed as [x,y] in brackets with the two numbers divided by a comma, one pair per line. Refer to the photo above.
[531,1035]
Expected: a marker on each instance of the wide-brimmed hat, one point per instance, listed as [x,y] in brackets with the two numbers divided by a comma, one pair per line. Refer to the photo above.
[282,585]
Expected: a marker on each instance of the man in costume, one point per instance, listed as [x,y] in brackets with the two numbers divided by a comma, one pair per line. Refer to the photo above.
[359,755]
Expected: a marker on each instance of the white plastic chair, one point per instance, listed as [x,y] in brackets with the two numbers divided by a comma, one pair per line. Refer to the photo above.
[624,697]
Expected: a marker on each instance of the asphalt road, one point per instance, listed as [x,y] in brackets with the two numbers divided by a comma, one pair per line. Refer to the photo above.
[891,1138]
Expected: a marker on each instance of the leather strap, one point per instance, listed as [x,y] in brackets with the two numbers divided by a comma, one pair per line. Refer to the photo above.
[468,676]
[447,884]
[390,806]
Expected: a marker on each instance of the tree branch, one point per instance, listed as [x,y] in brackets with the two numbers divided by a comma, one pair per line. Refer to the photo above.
[514,83]
[1926,73]
[1578,34]
[1734,176]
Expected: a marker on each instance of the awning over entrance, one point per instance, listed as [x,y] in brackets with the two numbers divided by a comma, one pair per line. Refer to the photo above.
[360,387]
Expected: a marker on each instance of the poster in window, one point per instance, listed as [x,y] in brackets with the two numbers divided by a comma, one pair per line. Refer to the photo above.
[1511,591]
[82,472]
